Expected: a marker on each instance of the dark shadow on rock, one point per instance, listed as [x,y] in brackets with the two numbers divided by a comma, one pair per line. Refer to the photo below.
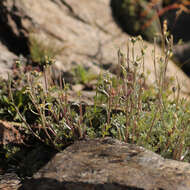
[18,44]
[182,56]
[178,26]
[27,160]
[53,184]
[129,16]
[115,7]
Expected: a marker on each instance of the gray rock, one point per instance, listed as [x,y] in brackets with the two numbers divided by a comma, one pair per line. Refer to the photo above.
[9,181]
[6,61]
[105,164]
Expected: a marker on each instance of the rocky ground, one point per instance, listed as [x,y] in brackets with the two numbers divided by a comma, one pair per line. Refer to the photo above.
[85,33]
[109,164]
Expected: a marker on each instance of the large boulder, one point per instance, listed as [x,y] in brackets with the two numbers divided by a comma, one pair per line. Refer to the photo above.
[84,30]
[109,164]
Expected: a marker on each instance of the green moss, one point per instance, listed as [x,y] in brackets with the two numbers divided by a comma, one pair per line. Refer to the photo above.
[40,51]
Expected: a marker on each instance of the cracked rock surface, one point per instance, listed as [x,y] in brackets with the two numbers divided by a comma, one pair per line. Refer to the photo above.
[110,164]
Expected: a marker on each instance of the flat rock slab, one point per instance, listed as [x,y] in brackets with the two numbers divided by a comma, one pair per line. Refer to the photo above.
[107,164]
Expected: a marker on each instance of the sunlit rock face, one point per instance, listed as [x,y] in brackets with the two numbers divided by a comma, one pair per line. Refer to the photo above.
[7,60]
[83,33]
[110,164]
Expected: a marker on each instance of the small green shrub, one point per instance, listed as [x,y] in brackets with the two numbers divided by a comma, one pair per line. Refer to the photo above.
[83,76]
[125,107]
[39,51]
